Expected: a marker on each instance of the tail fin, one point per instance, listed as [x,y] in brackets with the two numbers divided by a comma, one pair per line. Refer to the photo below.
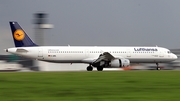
[21,39]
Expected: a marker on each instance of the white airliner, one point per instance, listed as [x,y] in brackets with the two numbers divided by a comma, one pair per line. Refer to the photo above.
[98,57]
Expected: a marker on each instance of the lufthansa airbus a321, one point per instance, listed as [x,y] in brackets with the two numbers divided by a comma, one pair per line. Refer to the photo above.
[97,57]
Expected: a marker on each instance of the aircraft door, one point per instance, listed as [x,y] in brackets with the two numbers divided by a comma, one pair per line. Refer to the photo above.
[40,52]
[86,52]
[161,54]
[128,53]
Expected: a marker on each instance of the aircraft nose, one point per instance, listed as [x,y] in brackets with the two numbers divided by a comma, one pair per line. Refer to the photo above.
[174,56]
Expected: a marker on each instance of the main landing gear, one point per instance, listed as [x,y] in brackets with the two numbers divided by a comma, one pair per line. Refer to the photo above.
[158,68]
[100,68]
[90,68]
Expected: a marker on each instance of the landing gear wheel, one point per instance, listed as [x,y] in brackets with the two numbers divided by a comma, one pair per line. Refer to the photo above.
[89,68]
[158,68]
[100,68]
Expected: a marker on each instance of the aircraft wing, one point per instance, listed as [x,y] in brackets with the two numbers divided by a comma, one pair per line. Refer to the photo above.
[106,56]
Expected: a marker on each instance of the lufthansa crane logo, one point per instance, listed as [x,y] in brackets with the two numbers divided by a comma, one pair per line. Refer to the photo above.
[19,35]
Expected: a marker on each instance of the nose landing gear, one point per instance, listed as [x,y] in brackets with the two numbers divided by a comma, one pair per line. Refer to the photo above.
[158,68]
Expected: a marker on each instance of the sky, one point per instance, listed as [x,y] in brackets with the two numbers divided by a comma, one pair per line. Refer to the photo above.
[96,22]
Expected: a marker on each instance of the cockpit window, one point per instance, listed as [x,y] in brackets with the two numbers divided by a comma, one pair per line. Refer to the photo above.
[168,52]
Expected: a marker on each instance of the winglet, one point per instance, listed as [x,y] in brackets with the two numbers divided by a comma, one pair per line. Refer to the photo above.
[21,39]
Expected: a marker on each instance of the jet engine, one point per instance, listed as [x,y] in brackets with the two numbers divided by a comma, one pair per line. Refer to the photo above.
[119,63]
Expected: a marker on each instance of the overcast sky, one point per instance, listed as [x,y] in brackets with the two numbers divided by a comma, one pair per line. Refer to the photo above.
[96,22]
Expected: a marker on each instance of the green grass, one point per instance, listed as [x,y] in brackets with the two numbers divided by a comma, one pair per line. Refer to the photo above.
[90,86]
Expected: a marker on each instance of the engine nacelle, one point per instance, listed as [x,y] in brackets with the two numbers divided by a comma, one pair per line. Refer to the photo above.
[119,63]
